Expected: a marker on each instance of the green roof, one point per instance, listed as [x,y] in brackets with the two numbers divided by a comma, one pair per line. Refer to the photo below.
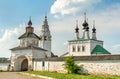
[99,50]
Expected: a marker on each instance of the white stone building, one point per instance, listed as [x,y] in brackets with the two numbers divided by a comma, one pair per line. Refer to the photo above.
[31,47]
[85,45]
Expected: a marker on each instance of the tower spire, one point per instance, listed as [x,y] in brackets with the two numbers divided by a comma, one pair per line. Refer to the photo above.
[85,16]
[45,36]
[77,31]
[45,21]
[85,24]
[29,28]
[85,28]
[94,31]
[30,22]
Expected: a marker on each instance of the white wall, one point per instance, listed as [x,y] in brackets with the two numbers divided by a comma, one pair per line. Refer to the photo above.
[50,66]
[88,44]
[4,66]
[111,67]
[18,53]
[46,44]
[38,53]
[24,42]
[106,67]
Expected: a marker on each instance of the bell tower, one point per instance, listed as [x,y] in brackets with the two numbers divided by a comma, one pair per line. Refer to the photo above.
[45,41]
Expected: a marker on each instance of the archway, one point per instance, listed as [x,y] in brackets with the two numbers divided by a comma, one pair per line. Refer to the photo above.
[21,63]
[24,65]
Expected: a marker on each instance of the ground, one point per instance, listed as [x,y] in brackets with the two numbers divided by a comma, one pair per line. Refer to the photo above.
[15,75]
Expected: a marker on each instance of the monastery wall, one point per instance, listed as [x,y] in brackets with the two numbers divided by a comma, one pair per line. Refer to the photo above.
[101,67]
[4,66]
[111,67]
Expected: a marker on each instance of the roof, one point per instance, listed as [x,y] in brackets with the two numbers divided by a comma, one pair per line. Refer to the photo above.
[29,47]
[83,40]
[99,50]
[64,54]
[53,55]
[33,35]
[83,58]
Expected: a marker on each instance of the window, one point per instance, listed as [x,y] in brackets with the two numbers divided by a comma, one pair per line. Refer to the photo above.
[73,48]
[78,48]
[45,37]
[83,48]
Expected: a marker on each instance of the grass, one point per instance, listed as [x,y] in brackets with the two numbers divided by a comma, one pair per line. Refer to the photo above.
[71,76]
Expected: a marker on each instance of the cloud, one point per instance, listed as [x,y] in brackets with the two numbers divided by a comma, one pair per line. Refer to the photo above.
[105,19]
[107,24]
[116,47]
[9,40]
[63,7]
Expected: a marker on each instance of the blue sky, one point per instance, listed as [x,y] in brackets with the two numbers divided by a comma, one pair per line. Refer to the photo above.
[14,15]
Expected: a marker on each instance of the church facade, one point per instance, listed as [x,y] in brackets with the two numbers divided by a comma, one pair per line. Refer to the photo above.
[31,47]
[85,45]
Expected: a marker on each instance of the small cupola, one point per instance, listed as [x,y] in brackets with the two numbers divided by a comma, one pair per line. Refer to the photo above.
[29,28]
[85,24]
[76,29]
[94,29]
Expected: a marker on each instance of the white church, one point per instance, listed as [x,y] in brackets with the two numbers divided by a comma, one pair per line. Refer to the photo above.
[85,45]
[33,48]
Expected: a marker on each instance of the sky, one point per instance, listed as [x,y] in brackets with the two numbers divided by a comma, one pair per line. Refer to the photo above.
[62,16]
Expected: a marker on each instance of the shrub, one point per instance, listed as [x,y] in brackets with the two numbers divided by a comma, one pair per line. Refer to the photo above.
[70,65]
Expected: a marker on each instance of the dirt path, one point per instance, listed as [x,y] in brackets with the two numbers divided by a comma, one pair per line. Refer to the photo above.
[15,75]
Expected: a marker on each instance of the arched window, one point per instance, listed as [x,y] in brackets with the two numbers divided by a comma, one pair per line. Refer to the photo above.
[78,48]
[83,48]
[73,48]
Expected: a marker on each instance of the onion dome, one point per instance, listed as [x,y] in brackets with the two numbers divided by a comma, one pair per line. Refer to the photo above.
[85,24]
[87,28]
[76,29]
[94,29]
